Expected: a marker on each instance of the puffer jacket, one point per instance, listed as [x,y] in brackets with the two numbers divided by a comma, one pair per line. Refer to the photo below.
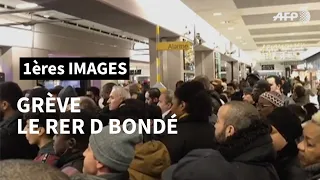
[150,160]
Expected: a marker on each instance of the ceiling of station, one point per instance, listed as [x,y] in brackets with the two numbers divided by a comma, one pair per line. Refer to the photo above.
[247,23]
[250,24]
[28,17]
[102,13]
[116,38]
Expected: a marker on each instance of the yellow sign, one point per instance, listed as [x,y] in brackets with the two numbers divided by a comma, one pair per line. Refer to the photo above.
[173,46]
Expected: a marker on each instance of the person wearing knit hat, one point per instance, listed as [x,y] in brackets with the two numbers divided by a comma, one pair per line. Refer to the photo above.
[268,101]
[286,129]
[108,156]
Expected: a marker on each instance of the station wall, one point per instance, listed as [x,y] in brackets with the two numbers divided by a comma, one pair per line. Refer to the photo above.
[47,39]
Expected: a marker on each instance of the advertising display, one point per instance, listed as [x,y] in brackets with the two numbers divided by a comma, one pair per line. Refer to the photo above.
[52,83]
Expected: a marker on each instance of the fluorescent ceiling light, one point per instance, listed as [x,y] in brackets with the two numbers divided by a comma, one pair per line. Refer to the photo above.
[292,34]
[288,41]
[244,43]
[217,14]
[26,5]
[230,28]
[238,37]
[46,16]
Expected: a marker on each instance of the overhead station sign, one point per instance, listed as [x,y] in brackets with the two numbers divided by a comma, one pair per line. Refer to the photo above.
[173,46]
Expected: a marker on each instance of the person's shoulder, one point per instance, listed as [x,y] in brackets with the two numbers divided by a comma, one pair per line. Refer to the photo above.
[8,129]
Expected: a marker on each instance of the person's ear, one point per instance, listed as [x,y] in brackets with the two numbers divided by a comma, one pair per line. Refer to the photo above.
[4,105]
[183,105]
[42,131]
[156,100]
[230,130]
[71,143]
[99,165]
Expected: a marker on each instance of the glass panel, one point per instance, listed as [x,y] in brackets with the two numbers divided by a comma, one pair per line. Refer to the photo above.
[217,58]
[188,60]
[188,77]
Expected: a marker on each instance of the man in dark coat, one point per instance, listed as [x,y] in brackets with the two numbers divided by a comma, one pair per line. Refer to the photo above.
[12,144]
[286,129]
[192,107]
[243,141]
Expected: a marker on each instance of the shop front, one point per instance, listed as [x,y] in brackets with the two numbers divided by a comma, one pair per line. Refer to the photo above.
[310,70]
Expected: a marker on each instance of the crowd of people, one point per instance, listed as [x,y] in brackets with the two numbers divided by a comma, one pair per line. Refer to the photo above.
[263,129]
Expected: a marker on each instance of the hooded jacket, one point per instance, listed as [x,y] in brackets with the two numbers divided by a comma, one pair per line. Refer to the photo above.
[151,159]
[250,154]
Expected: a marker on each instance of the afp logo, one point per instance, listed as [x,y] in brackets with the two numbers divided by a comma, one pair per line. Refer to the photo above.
[302,16]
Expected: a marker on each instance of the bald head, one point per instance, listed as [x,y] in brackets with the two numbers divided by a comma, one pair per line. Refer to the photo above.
[240,114]
[28,170]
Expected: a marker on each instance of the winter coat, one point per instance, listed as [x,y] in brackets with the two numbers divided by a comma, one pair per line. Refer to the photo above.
[313,171]
[247,155]
[193,133]
[12,144]
[71,164]
[288,165]
[46,155]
